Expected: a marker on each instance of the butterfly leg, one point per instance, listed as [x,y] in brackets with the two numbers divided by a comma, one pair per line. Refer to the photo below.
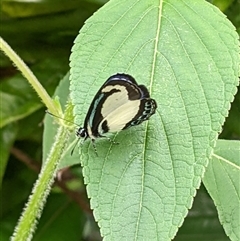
[113,142]
[94,146]
[77,141]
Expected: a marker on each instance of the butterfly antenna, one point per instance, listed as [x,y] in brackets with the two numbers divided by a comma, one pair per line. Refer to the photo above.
[59,117]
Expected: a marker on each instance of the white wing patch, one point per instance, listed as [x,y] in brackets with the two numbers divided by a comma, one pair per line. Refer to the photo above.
[115,100]
[118,117]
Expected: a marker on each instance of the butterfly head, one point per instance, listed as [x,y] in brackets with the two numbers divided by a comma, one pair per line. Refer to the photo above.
[82,133]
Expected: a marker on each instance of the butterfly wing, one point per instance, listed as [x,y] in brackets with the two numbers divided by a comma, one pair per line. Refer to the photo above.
[118,104]
[129,114]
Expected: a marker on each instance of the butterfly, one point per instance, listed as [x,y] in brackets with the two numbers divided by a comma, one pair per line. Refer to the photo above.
[119,104]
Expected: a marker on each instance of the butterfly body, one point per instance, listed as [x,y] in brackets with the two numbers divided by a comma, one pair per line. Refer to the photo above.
[119,104]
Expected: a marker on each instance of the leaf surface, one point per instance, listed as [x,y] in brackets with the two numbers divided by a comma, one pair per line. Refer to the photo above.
[187,54]
[222,180]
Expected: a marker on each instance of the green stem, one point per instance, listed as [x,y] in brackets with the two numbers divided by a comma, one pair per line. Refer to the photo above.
[28,221]
[28,74]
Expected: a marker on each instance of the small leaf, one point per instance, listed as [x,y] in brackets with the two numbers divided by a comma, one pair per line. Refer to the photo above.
[222,182]
[19,100]
[187,54]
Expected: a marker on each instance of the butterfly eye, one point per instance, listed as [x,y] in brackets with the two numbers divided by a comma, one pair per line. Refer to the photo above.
[81,132]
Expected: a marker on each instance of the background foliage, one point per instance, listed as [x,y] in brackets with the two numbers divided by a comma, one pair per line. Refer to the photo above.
[42,33]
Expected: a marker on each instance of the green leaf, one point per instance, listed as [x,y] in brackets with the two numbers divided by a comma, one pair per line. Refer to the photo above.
[222,180]
[19,100]
[187,54]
